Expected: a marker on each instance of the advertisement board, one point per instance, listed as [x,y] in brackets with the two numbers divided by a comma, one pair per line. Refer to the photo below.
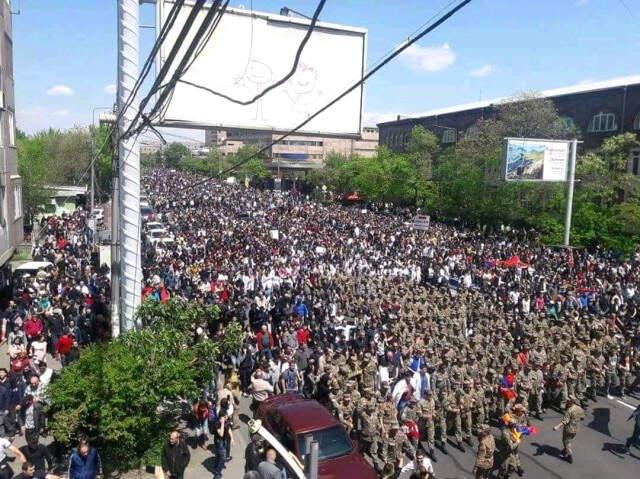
[250,51]
[527,159]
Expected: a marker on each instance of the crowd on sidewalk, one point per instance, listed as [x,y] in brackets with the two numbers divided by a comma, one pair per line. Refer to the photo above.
[415,340]
[51,313]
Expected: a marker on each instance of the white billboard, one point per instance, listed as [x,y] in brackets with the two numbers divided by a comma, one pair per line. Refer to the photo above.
[250,51]
[527,159]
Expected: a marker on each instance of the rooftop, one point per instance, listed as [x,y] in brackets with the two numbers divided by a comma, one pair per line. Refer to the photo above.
[580,88]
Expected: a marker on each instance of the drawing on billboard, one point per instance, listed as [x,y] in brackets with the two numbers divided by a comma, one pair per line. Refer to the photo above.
[535,160]
[252,50]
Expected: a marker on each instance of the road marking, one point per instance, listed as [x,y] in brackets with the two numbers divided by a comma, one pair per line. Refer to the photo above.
[625,404]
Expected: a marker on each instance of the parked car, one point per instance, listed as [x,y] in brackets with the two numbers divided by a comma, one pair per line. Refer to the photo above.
[291,417]
[161,234]
[153,225]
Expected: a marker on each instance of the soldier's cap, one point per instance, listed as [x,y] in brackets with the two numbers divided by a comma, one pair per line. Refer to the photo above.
[572,398]
[484,428]
[367,355]
[491,371]
[346,396]
[518,407]
[467,383]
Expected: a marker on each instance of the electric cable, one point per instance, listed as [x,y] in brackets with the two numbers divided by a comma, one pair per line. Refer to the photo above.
[397,51]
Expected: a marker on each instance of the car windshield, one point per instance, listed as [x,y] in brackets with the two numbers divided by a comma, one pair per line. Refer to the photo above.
[332,442]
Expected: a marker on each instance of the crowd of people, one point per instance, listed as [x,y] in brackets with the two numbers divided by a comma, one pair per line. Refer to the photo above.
[415,340]
[53,310]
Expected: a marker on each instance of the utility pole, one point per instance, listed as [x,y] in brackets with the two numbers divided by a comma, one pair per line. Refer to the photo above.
[127,190]
[572,180]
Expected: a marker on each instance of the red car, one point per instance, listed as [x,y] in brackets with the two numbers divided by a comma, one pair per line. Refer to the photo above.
[290,417]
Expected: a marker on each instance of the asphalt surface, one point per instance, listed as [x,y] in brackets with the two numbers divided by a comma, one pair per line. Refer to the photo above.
[597,448]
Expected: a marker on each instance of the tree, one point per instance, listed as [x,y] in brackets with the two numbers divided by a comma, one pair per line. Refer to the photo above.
[422,150]
[125,394]
[174,153]
[33,169]
[253,169]
[104,152]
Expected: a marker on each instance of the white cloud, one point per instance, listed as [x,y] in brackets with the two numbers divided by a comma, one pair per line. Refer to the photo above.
[580,3]
[430,59]
[111,89]
[372,118]
[483,71]
[60,90]
[36,118]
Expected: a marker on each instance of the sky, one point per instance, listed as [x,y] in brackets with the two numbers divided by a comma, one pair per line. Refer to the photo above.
[65,52]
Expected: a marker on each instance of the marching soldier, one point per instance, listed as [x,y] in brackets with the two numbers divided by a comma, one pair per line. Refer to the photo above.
[596,373]
[510,442]
[569,423]
[346,413]
[370,424]
[442,419]
[479,413]
[536,376]
[466,412]
[486,449]
[452,408]
[427,413]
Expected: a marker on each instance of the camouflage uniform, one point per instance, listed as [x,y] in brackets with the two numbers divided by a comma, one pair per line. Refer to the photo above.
[466,411]
[570,421]
[511,459]
[427,413]
[484,458]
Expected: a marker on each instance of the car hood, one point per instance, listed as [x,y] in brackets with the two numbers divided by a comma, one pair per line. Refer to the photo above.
[351,466]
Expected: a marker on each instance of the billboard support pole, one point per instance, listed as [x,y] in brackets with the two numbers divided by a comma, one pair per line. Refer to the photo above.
[128,240]
[572,179]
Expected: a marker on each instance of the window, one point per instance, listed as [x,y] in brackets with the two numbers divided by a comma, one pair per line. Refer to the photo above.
[449,136]
[17,201]
[636,122]
[12,129]
[568,123]
[603,122]
[472,131]
[405,140]
[634,162]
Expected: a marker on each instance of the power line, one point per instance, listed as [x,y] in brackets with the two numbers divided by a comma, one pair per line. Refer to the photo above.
[394,54]
[278,83]
[629,11]
[167,64]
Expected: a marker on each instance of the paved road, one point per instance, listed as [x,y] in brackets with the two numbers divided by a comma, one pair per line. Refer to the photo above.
[597,448]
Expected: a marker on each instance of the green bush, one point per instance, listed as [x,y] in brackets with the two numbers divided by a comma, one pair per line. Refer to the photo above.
[116,391]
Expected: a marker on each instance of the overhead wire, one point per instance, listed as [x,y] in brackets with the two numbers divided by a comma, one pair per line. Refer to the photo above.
[276,84]
[166,27]
[198,5]
[397,51]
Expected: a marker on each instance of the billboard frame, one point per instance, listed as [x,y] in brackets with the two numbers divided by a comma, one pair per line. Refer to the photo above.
[269,17]
[503,160]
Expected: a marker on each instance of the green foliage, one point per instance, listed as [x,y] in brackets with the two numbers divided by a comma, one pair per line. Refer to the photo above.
[174,153]
[54,157]
[462,181]
[105,156]
[119,392]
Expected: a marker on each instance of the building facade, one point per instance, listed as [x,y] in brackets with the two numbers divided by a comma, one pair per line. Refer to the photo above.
[11,223]
[596,110]
[296,152]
